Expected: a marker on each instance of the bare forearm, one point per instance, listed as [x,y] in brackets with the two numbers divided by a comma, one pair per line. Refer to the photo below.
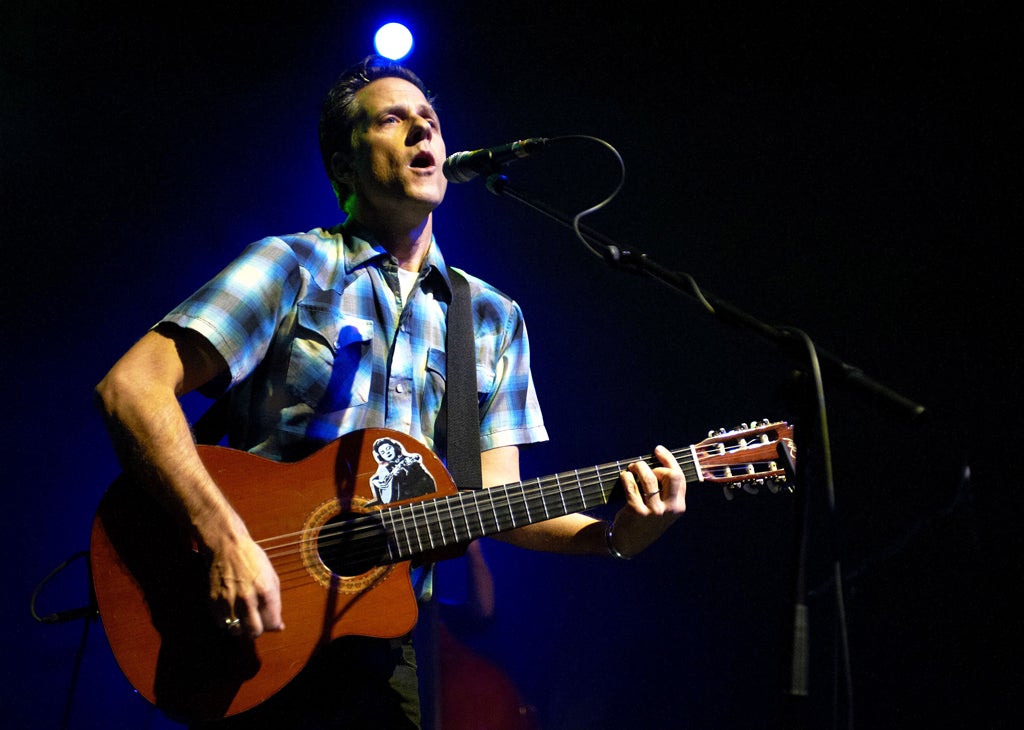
[575,534]
[139,402]
[154,444]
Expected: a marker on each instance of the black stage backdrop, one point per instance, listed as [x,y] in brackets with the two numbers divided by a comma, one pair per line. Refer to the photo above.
[850,172]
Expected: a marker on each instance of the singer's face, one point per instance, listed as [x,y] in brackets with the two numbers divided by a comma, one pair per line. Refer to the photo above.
[397,148]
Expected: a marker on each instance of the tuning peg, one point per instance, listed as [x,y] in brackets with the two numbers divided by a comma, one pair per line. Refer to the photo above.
[727,491]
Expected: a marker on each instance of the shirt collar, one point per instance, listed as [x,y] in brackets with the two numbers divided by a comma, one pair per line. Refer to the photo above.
[362,250]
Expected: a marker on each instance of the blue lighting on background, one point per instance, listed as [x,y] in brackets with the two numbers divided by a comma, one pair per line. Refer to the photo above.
[394,41]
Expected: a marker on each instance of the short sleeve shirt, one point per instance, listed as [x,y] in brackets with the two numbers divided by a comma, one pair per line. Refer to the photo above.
[319,343]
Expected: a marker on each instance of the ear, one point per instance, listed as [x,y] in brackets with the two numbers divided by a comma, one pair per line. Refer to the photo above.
[340,169]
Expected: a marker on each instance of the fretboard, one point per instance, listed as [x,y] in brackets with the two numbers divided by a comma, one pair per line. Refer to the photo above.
[436,524]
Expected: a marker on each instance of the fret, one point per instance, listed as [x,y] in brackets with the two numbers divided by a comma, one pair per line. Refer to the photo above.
[409,515]
[401,531]
[440,522]
[572,504]
[526,503]
[543,500]
[508,508]
[476,510]
[535,497]
[584,493]
[442,508]
[561,494]
[461,500]
[451,516]
[393,550]
[437,522]
[494,523]
[479,515]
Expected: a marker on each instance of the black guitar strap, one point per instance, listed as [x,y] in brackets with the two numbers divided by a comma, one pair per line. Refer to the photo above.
[462,409]
[458,429]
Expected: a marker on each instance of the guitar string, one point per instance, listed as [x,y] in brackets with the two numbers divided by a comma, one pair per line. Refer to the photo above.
[364,540]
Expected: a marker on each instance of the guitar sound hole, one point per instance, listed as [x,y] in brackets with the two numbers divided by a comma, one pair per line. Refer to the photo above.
[351,545]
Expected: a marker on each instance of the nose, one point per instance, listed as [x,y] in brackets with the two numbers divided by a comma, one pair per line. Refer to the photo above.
[421,129]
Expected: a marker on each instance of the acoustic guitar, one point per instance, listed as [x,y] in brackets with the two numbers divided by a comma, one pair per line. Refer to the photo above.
[342,555]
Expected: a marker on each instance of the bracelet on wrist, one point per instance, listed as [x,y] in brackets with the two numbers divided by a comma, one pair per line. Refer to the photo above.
[609,537]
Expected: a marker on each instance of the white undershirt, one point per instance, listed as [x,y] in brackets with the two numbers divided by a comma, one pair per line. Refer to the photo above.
[406,281]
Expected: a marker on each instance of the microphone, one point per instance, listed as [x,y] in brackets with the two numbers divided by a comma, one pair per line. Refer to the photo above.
[464,166]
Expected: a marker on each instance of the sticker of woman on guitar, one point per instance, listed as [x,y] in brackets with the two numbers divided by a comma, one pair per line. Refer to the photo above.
[400,475]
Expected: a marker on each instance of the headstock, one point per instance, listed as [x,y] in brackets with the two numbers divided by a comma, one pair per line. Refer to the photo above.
[748,457]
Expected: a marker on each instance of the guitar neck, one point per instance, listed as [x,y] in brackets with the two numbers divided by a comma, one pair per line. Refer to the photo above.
[745,458]
[436,524]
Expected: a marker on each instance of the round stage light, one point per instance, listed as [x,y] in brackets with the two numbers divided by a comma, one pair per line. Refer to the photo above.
[393,41]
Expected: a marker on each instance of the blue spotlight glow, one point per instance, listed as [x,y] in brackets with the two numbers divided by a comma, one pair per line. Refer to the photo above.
[393,41]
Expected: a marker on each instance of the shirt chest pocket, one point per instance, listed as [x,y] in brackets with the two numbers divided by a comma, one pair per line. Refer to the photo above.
[330,361]
[437,375]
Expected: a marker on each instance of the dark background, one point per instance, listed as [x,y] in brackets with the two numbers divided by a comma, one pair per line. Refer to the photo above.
[852,172]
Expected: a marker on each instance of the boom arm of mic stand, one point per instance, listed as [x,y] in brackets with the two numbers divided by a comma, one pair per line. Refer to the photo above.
[641,263]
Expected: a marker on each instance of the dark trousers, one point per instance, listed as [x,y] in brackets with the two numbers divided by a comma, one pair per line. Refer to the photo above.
[354,683]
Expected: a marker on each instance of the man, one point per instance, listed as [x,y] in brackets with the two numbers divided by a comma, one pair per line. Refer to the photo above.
[323,333]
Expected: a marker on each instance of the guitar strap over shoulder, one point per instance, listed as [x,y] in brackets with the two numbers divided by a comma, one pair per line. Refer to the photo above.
[458,429]
[462,409]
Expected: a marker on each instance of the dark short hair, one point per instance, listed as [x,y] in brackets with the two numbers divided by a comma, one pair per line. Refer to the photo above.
[390,441]
[337,113]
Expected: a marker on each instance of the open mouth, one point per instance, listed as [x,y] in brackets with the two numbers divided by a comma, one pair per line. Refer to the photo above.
[422,160]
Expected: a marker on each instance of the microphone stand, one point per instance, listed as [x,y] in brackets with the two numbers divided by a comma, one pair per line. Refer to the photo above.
[794,344]
[638,262]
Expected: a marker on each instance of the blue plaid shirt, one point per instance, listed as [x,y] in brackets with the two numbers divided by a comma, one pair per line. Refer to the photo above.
[319,343]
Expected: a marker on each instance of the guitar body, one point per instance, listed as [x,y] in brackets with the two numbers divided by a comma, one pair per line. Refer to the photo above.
[151,584]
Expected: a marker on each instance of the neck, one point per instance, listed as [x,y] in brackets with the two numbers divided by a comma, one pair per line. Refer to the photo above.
[408,241]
